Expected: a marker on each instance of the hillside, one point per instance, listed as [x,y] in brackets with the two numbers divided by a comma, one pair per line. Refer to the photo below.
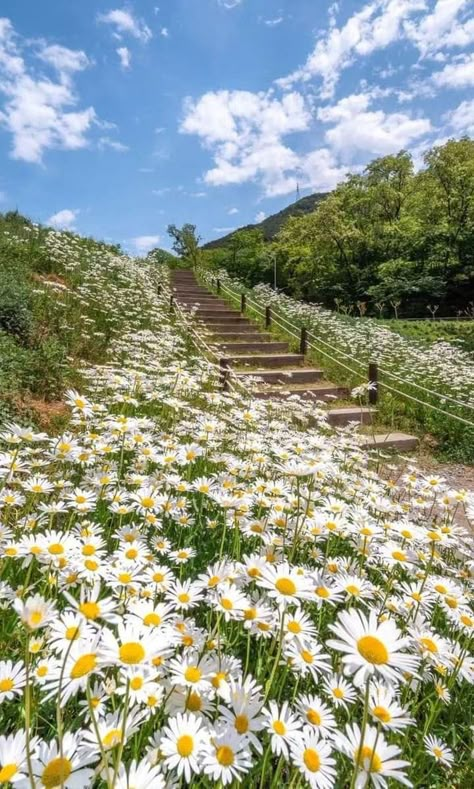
[272,224]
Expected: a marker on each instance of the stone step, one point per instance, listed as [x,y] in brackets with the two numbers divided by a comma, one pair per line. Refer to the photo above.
[254,347]
[266,360]
[217,312]
[298,375]
[227,320]
[246,336]
[402,442]
[318,391]
[344,416]
[204,303]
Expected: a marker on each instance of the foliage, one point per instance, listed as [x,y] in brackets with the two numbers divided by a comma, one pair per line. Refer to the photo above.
[185,242]
[388,237]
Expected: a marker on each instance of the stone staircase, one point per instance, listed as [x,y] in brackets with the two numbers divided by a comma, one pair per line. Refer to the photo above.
[253,354]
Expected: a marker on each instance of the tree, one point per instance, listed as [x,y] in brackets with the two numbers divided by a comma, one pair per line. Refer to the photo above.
[186,242]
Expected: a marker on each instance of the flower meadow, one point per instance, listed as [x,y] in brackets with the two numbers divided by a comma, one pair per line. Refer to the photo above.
[198,588]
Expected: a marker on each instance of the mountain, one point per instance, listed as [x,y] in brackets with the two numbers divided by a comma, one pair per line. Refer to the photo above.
[272,224]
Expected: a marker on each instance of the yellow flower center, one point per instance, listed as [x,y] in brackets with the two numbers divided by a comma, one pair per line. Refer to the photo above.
[373,650]
[72,633]
[441,588]
[185,745]
[90,610]
[84,665]
[41,671]
[7,772]
[437,752]
[399,556]
[352,589]
[294,627]
[286,586]
[131,653]
[227,603]
[429,644]
[136,683]
[241,724]
[56,548]
[338,693]
[132,553]
[466,620]
[6,685]
[434,536]
[218,679]
[314,717]
[192,674]
[322,591]
[158,578]
[183,597]
[382,714]
[369,759]
[250,613]
[36,617]
[56,772]
[194,703]
[213,581]
[91,564]
[112,738]
[279,727]
[147,501]
[225,756]
[451,602]
[311,760]
[124,578]
[307,656]
[152,619]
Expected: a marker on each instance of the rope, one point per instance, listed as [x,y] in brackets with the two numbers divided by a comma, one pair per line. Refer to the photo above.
[319,350]
[425,389]
[427,405]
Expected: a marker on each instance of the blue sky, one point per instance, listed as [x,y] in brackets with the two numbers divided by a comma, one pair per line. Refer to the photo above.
[118,119]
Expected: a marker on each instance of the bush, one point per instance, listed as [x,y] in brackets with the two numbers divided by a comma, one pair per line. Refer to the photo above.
[15,307]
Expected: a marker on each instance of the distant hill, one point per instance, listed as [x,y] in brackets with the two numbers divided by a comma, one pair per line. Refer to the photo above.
[272,224]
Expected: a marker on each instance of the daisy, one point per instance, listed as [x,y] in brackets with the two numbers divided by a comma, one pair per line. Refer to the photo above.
[439,750]
[13,765]
[72,673]
[141,775]
[373,758]
[230,602]
[284,584]
[185,595]
[306,657]
[12,679]
[385,710]
[35,612]
[227,757]
[371,647]
[182,744]
[65,766]
[192,672]
[317,714]
[282,725]
[132,646]
[340,691]
[312,756]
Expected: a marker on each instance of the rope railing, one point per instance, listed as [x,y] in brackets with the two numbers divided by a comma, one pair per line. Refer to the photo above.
[317,341]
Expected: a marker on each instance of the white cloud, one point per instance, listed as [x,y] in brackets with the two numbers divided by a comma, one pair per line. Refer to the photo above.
[64,60]
[356,128]
[223,229]
[124,23]
[458,74]
[441,28]
[273,22]
[320,170]
[63,220]
[143,244]
[233,211]
[229,3]
[165,32]
[260,216]
[245,133]
[114,145]
[375,26]
[198,194]
[461,119]
[36,110]
[161,192]
[125,57]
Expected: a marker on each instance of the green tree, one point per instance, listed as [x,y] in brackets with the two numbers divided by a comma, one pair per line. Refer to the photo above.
[186,242]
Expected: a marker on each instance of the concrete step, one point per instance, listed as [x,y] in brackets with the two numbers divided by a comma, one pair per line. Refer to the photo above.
[217,312]
[254,347]
[298,375]
[206,303]
[265,360]
[245,336]
[317,391]
[401,442]
[343,416]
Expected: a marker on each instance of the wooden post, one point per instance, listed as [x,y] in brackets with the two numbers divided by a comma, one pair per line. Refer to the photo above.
[304,341]
[242,303]
[268,317]
[224,365]
[171,303]
[373,379]
[158,290]
[218,285]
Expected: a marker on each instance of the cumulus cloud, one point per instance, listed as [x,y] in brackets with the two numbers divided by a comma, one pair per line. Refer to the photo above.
[458,74]
[233,211]
[375,26]
[260,216]
[124,23]
[277,20]
[64,219]
[229,3]
[461,119]
[143,244]
[114,145]
[37,111]
[125,57]
[245,132]
[443,27]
